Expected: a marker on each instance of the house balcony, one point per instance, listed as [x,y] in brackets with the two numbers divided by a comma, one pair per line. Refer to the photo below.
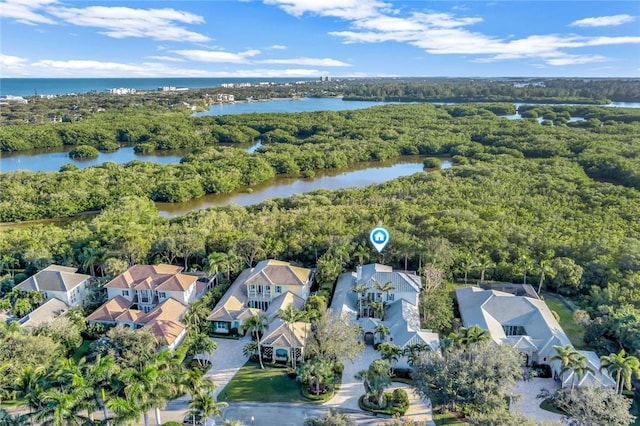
[259,296]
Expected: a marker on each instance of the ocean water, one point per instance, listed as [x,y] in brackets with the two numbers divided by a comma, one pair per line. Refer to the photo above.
[60,86]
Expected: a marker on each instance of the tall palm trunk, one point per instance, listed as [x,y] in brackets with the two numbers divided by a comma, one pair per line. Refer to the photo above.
[259,350]
[158,420]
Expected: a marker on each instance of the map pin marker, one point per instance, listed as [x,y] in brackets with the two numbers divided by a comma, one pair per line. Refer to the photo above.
[379,237]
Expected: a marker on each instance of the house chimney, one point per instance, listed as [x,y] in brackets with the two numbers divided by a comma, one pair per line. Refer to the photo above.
[359,273]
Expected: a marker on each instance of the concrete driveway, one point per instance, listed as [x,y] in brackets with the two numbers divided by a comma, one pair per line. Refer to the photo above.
[346,399]
[529,405]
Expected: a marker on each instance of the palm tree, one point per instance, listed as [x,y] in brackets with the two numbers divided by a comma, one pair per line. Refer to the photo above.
[62,408]
[316,372]
[99,377]
[214,261]
[29,387]
[256,325]
[545,269]
[623,367]
[291,315]
[475,334]
[566,355]
[376,378]
[385,288]
[125,410]
[250,348]
[143,387]
[414,351]
[204,404]
[361,291]
[383,331]
[484,263]
[390,352]
[195,382]
[580,368]
[378,309]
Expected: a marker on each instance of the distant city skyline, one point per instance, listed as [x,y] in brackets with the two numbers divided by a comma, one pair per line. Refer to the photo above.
[313,38]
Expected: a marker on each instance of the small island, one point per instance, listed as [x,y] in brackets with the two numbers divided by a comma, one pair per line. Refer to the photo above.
[84,152]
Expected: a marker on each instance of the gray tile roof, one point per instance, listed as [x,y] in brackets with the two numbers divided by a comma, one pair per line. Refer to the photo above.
[53,278]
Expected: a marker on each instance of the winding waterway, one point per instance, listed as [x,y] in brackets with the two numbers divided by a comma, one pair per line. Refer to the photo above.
[358,175]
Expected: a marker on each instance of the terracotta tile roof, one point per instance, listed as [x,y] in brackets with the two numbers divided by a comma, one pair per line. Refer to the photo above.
[178,282]
[166,331]
[144,285]
[110,310]
[168,310]
[138,273]
[129,315]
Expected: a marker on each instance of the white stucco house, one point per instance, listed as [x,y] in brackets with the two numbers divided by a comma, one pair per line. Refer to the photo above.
[528,325]
[154,297]
[58,282]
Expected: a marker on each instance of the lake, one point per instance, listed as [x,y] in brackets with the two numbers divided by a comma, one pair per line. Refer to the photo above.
[358,175]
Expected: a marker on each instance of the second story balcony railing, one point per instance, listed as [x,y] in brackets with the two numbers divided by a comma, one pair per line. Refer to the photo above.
[260,296]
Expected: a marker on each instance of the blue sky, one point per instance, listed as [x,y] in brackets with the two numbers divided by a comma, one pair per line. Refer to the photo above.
[308,38]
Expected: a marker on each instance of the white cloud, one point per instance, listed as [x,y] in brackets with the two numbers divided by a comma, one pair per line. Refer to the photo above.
[216,56]
[12,65]
[92,68]
[166,58]
[314,62]
[603,21]
[575,60]
[373,21]
[122,22]
[26,11]
[278,47]
[345,9]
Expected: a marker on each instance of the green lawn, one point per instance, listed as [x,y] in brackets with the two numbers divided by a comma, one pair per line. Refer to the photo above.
[269,385]
[447,419]
[82,350]
[573,330]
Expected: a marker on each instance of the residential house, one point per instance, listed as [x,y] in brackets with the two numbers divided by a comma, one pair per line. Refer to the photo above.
[267,288]
[58,282]
[44,313]
[401,314]
[528,325]
[151,296]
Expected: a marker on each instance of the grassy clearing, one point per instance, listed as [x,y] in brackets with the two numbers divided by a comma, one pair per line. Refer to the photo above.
[573,330]
[269,385]
[447,419]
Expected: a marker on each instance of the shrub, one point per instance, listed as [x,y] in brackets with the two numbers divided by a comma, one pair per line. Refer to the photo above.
[338,368]
[400,399]
[108,146]
[432,163]
[83,151]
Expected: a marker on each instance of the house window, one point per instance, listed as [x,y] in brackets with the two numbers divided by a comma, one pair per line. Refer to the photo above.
[514,330]
[125,292]
[278,289]
[391,297]
[162,295]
